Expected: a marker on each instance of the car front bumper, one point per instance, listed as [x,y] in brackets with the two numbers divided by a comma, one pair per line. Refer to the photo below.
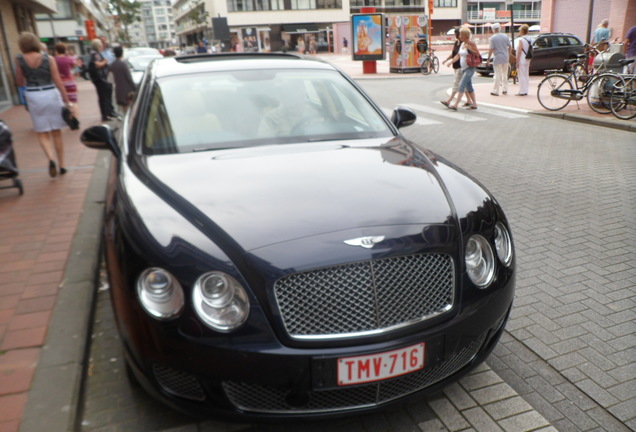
[279,382]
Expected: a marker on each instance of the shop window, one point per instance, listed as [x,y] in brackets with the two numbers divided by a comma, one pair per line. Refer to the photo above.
[445,4]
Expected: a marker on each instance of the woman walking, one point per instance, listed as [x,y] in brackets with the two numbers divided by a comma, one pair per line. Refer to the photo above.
[457,68]
[44,94]
[466,82]
[523,64]
[65,66]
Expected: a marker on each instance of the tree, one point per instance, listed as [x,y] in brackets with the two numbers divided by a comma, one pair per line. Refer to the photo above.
[127,12]
[198,15]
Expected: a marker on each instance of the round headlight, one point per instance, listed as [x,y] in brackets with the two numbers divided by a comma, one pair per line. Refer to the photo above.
[160,293]
[480,261]
[220,301]
[503,244]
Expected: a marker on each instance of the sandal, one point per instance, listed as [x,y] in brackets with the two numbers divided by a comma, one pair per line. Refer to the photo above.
[454,108]
[444,103]
[466,104]
[52,169]
[471,107]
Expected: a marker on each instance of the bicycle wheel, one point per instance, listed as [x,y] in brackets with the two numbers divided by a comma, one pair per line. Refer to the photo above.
[554,92]
[623,99]
[435,64]
[426,66]
[600,90]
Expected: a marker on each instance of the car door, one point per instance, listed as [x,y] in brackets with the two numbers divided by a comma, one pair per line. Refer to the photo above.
[542,53]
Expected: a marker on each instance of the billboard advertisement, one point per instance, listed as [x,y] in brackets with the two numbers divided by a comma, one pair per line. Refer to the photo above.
[368,36]
[408,42]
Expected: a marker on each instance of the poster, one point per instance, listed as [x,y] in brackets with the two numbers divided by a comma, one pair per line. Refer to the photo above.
[408,41]
[368,36]
[250,44]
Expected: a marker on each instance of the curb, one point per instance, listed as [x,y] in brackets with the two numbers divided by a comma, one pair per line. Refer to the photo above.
[56,390]
[626,125]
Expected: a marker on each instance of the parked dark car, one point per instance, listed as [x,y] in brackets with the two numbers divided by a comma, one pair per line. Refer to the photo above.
[549,52]
[277,249]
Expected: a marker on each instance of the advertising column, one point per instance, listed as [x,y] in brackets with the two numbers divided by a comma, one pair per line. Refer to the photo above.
[408,42]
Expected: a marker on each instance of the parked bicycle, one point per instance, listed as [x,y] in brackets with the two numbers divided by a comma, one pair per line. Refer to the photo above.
[429,62]
[556,90]
[623,97]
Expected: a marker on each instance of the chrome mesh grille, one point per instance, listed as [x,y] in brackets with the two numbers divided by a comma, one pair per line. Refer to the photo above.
[367,296]
[264,399]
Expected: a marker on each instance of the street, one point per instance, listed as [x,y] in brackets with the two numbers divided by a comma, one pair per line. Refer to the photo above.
[566,361]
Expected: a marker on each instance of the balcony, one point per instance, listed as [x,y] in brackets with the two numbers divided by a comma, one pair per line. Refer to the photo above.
[519,16]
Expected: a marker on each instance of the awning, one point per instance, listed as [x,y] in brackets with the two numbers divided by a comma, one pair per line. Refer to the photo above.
[300,28]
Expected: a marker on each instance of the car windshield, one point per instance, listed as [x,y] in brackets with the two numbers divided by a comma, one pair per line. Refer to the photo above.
[140,63]
[231,109]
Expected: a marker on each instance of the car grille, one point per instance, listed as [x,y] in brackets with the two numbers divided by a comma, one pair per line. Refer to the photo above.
[365,297]
[256,398]
[178,383]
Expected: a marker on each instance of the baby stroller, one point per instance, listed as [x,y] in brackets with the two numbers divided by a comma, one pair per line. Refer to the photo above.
[8,167]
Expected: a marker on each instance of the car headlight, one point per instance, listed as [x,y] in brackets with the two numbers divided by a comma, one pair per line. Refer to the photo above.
[480,261]
[160,293]
[503,244]
[220,301]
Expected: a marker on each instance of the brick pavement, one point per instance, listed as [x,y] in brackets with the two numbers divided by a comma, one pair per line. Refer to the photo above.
[568,353]
[36,233]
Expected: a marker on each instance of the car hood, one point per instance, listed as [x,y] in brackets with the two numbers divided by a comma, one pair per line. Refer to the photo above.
[265,195]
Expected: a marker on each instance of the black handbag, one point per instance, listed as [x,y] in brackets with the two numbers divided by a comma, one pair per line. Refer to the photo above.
[70,120]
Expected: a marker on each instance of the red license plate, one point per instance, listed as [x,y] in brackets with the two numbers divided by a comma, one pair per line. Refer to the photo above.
[380,366]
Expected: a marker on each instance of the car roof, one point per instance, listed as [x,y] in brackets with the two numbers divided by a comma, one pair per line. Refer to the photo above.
[198,63]
[558,34]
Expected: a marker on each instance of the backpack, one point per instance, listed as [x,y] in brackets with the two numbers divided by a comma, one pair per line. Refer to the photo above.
[529,53]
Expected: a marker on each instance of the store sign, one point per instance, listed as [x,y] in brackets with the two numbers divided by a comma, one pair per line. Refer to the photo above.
[489,14]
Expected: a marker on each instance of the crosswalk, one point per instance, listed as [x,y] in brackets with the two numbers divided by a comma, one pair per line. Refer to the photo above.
[436,113]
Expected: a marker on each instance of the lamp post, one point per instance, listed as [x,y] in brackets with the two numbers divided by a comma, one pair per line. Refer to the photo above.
[512,22]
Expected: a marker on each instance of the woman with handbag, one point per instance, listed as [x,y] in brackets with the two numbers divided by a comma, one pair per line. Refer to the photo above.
[44,94]
[469,58]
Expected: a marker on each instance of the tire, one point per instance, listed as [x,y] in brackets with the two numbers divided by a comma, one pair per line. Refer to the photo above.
[600,91]
[435,64]
[623,100]
[546,88]
[427,66]
[484,74]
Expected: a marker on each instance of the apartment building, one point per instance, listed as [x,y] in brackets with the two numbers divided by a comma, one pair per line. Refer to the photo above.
[156,28]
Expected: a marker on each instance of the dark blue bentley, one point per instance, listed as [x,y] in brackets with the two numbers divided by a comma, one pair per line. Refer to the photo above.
[276,248]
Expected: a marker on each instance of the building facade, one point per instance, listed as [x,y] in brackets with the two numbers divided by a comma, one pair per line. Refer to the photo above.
[157,24]
[67,23]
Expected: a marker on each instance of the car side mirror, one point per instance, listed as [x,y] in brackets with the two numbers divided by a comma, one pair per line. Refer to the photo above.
[403,117]
[100,137]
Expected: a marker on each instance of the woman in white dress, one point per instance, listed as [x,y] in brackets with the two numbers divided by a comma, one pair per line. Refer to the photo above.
[44,93]
[523,64]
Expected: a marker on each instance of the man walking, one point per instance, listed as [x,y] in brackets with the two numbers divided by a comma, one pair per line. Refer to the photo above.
[500,47]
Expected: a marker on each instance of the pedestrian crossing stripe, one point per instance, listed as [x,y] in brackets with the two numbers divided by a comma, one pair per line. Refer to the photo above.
[468,116]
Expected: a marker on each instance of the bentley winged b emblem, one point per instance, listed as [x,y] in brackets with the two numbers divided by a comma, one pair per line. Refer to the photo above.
[365,242]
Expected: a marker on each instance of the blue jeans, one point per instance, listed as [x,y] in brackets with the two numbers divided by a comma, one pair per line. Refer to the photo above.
[466,84]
